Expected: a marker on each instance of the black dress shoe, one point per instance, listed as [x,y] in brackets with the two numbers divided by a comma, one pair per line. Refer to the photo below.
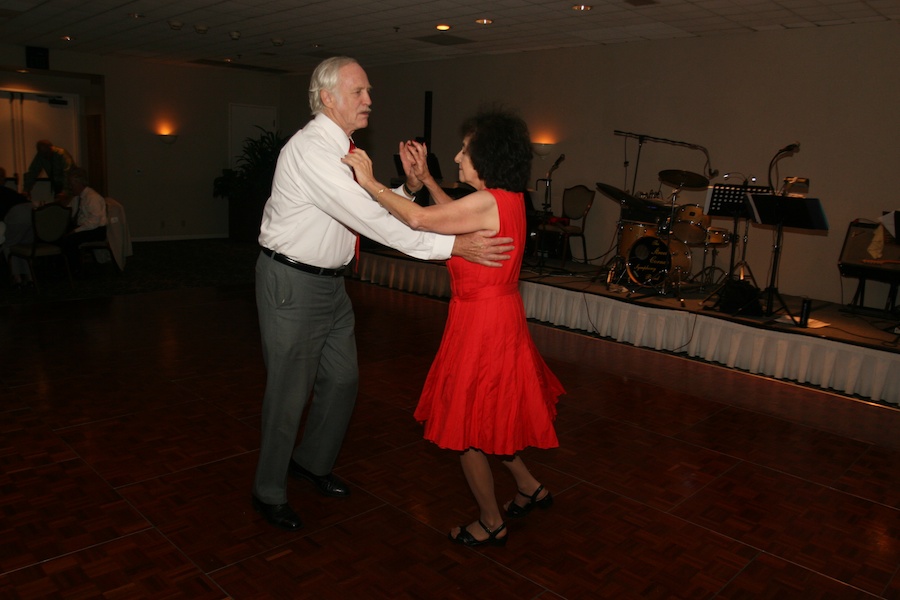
[328,485]
[279,515]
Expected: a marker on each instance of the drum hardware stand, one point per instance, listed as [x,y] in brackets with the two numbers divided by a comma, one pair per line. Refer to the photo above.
[612,267]
[669,233]
[670,223]
[615,269]
[707,274]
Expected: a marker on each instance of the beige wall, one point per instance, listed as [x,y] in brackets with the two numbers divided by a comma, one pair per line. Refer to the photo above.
[166,190]
[835,90]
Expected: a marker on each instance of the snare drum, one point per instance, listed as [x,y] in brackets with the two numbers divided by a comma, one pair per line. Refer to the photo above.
[651,261]
[690,224]
[717,237]
[632,231]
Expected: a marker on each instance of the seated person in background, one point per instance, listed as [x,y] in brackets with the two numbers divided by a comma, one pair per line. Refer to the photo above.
[90,219]
[19,230]
[8,196]
[56,162]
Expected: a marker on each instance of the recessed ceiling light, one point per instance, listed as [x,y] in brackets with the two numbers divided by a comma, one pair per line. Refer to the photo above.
[175,24]
[582,7]
[136,15]
[67,38]
[484,21]
[443,27]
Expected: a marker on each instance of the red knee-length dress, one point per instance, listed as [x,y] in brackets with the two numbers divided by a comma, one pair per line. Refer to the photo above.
[488,388]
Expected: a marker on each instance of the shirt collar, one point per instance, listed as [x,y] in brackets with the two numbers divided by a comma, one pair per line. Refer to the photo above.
[333,130]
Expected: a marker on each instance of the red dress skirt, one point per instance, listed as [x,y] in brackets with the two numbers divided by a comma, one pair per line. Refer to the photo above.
[488,387]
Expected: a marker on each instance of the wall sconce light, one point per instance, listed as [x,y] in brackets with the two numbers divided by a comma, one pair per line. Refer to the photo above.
[542,149]
[167,138]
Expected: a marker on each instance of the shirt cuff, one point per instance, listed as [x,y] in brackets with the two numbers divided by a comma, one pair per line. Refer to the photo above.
[401,191]
[443,246]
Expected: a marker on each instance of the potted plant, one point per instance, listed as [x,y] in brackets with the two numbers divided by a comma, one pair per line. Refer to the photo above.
[249,184]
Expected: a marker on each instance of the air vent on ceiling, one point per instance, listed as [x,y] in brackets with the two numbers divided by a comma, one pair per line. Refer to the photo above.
[442,39]
[208,62]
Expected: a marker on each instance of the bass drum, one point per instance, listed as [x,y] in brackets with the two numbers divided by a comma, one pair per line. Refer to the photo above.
[632,231]
[652,261]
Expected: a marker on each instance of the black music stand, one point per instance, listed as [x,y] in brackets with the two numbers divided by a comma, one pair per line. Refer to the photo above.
[784,211]
[726,200]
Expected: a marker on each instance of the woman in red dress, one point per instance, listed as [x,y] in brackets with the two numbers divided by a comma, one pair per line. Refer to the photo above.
[488,392]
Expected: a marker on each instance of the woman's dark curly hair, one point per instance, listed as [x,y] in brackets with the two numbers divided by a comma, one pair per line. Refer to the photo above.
[500,148]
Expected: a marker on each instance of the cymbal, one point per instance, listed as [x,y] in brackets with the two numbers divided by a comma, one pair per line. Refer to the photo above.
[683,179]
[620,196]
[632,208]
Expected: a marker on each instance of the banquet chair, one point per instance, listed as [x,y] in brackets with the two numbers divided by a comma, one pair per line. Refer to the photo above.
[118,239]
[50,223]
[576,203]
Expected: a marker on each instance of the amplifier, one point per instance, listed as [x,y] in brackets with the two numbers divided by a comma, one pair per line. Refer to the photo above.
[871,253]
[860,258]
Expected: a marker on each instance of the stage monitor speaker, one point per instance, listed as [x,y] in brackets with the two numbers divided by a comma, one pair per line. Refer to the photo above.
[740,297]
[37,57]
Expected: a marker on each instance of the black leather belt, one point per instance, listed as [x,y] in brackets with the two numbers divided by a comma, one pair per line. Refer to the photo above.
[302,266]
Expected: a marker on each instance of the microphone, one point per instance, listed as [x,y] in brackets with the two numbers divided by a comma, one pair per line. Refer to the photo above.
[555,166]
[750,179]
[790,148]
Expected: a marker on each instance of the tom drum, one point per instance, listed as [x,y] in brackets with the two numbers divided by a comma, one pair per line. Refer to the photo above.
[717,237]
[652,261]
[690,224]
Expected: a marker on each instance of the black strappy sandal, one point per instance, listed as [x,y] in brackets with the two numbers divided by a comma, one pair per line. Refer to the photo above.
[515,511]
[467,539]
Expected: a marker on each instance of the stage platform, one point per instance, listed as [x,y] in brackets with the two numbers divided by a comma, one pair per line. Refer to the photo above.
[851,352]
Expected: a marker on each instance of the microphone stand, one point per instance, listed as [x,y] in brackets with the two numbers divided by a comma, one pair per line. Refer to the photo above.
[637,161]
[641,138]
[545,217]
[772,291]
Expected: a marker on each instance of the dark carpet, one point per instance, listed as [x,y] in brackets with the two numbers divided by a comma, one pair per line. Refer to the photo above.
[155,266]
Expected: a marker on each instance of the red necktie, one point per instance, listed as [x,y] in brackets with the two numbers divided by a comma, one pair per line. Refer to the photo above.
[356,251]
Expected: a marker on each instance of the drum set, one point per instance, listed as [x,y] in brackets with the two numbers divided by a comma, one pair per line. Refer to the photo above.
[655,237]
